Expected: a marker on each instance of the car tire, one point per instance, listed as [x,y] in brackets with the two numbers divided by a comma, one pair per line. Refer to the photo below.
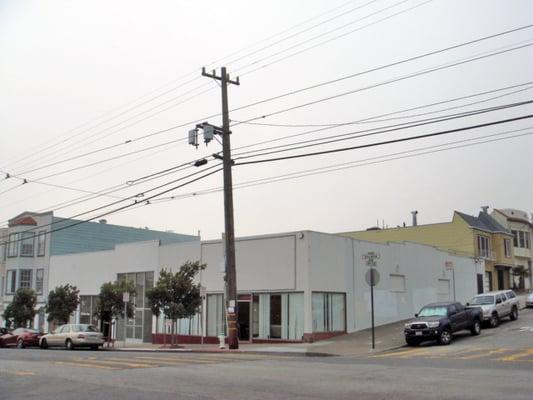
[476,328]
[44,344]
[69,345]
[514,314]
[20,344]
[494,320]
[445,337]
[412,342]
[94,348]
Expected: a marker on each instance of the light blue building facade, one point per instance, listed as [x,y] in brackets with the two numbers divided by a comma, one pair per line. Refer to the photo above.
[32,238]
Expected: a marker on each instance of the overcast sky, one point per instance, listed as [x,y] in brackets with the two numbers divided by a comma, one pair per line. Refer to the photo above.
[81,76]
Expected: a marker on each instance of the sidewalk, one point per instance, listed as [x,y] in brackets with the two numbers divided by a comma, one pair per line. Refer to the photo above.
[353,344]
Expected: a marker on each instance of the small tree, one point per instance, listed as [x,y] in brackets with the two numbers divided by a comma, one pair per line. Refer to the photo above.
[110,304]
[175,294]
[22,309]
[62,302]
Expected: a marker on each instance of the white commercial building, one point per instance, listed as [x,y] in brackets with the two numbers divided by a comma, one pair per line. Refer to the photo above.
[292,286]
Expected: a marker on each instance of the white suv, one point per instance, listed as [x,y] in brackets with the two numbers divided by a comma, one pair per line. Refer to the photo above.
[496,305]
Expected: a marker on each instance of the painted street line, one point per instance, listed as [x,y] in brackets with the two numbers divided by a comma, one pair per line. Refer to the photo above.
[17,373]
[518,357]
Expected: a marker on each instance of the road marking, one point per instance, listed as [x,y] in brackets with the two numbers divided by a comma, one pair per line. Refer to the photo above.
[518,356]
[86,365]
[17,373]
[120,362]
[177,360]
[403,353]
[485,354]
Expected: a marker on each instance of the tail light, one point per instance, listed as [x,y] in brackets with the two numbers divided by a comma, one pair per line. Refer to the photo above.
[81,336]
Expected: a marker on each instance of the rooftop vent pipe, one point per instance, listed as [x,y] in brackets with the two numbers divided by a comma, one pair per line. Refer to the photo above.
[415,222]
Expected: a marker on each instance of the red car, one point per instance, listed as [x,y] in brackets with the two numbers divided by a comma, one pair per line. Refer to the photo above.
[20,337]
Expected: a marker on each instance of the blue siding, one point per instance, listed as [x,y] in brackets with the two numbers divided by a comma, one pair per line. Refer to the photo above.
[92,236]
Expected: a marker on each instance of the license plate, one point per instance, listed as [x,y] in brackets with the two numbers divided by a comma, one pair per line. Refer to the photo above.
[418,333]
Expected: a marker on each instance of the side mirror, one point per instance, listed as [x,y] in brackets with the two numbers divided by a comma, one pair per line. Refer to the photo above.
[416,315]
[452,313]
[467,304]
[498,301]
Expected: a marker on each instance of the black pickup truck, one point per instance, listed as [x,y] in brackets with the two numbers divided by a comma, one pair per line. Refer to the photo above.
[439,321]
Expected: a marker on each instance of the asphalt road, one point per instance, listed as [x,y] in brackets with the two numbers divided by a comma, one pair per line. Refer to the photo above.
[497,364]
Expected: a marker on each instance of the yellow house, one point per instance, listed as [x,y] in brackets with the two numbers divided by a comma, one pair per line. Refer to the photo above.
[480,237]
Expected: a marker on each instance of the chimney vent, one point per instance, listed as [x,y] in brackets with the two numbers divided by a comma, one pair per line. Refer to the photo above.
[485,209]
[415,221]
[102,221]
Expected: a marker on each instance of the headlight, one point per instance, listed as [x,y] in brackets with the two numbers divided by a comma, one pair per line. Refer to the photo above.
[408,325]
[433,324]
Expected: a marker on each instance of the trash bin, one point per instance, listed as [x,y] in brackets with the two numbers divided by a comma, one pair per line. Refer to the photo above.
[221,342]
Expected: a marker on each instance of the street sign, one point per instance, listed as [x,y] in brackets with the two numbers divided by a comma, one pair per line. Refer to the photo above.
[372,277]
[126,297]
[371,258]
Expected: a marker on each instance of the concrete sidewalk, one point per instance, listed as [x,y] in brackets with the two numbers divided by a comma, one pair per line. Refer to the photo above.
[358,343]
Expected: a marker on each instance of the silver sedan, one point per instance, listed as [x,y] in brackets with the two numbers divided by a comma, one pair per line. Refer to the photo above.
[73,335]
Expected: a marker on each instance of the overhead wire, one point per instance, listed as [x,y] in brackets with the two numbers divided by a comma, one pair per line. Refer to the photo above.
[386,82]
[375,131]
[386,142]
[204,85]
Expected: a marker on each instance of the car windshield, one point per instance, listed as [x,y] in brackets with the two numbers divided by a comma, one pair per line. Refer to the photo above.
[436,311]
[84,328]
[482,300]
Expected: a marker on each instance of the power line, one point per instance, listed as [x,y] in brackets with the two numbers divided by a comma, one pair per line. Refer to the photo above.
[428,135]
[397,79]
[198,87]
[135,197]
[374,118]
[377,130]
[331,39]
[359,163]
[416,74]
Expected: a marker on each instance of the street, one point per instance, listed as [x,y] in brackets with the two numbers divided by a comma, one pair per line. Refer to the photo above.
[497,364]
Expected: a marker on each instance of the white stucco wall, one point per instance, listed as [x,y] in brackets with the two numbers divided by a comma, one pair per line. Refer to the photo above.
[301,261]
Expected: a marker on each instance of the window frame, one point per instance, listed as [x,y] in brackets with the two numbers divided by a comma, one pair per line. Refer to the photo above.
[39,281]
[24,239]
[30,280]
[11,284]
[13,245]
[521,239]
[41,234]
[483,251]
[515,237]
[507,248]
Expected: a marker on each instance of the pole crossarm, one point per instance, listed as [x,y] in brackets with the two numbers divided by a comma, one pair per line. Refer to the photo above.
[214,75]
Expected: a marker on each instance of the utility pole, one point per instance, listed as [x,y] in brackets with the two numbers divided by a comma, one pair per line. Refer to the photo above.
[229,237]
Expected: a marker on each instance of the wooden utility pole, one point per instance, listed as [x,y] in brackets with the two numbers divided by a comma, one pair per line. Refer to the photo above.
[231,275]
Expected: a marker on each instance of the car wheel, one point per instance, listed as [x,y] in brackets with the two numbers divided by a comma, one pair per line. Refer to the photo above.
[44,344]
[94,348]
[476,328]
[514,314]
[494,320]
[69,345]
[445,337]
[412,342]
[20,344]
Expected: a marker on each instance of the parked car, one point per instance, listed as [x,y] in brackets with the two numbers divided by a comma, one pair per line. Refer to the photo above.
[21,338]
[529,300]
[439,321]
[496,305]
[73,335]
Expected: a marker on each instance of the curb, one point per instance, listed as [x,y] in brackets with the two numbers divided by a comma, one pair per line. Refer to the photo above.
[204,351]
